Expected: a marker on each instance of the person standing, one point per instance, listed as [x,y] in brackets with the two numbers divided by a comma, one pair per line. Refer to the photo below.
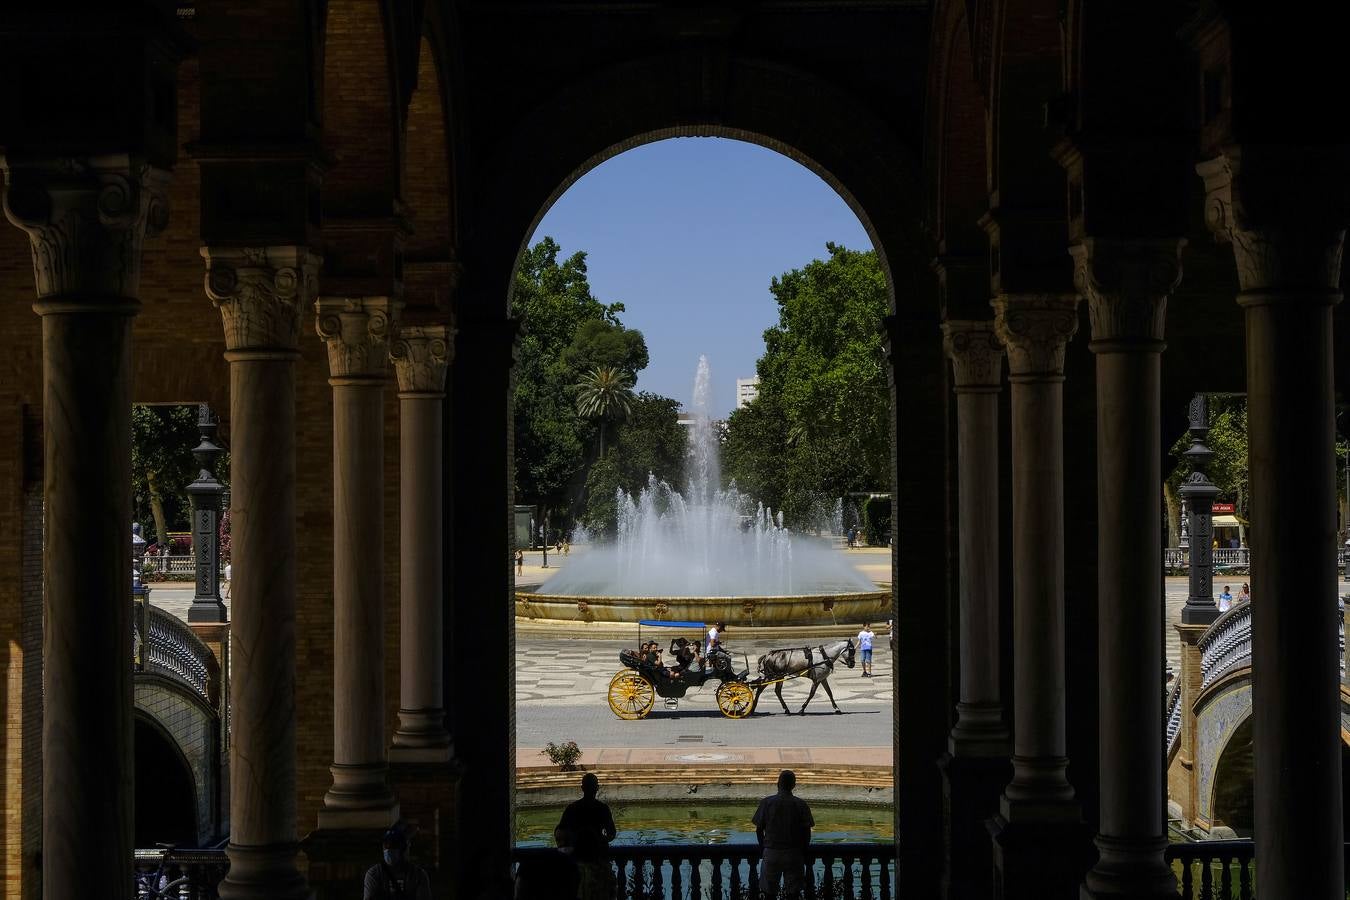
[589,827]
[783,829]
[865,638]
[1225,600]
[520,562]
[1245,595]
[394,877]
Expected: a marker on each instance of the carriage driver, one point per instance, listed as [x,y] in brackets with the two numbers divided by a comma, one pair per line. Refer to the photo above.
[714,637]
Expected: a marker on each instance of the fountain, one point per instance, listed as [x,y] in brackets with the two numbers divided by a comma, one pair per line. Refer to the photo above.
[706,555]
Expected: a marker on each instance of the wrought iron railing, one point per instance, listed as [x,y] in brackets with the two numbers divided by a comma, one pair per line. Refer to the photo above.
[731,871]
[1227,644]
[173,650]
[1173,729]
[1217,870]
[201,872]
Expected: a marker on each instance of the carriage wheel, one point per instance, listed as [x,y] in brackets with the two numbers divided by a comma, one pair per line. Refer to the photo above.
[735,699]
[630,695]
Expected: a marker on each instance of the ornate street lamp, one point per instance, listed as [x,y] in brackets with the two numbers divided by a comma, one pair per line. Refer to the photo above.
[1198,493]
[205,492]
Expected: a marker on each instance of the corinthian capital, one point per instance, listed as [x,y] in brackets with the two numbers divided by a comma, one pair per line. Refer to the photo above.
[976,354]
[1284,213]
[1036,328]
[357,331]
[86,219]
[421,354]
[1126,283]
[259,292]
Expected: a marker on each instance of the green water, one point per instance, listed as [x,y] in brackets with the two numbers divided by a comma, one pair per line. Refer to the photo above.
[700,822]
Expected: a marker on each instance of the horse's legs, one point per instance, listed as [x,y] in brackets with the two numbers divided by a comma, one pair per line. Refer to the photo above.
[778,692]
[829,693]
[814,684]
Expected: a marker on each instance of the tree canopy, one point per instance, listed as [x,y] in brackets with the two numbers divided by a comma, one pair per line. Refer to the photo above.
[821,424]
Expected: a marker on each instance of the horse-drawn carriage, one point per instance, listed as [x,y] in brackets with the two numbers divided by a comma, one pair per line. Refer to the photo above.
[633,690]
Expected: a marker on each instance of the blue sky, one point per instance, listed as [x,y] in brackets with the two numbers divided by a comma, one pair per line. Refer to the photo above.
[688,233]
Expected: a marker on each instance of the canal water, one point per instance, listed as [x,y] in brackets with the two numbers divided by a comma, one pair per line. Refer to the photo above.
[696,821]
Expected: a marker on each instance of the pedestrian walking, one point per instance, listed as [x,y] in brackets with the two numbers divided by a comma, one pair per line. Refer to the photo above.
[394,877]
[1225,600]
[783,828]
[865,638]
[520,562]
[589,827]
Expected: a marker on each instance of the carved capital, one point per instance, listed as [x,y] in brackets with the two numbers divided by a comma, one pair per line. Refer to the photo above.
[421,355]
[976,354]
[1283,216]
[1036,328]
[259,292]
[86,218]
[1126,283]
[357,331]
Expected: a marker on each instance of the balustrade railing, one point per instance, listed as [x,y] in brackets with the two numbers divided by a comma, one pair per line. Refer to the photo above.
[731,871]
[1217,870]
[1226,644]
[176,565]
[172,649]
[200,871]
[1235,558]
[1173,730]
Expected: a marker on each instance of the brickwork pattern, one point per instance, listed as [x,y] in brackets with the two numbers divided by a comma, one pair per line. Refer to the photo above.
[194,732]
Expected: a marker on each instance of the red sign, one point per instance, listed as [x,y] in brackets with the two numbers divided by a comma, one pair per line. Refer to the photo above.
[1222,508]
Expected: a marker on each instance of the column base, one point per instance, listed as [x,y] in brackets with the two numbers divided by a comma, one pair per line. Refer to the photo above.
[1039,793]
[1129,870]
[339,858]
[979,732]
[263,873]
[421,738]
[207,611]
[1040,861]
[1199,613]
[431,794]
[971,790]
[359,799]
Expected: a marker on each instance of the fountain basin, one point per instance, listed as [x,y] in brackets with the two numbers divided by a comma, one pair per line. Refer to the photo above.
[746,612]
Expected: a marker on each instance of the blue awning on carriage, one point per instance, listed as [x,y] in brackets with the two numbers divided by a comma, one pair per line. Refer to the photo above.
[662,623]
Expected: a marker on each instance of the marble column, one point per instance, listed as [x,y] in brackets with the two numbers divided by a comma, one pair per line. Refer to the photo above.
[421,355]
[86,219]
[357,331]
[260,292]
[1284,212]
[1036,328]
[1126,284]
[977,364]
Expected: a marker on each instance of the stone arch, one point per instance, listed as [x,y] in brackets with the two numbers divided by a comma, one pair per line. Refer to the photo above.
[1225,707]
[360,111]
[797,114]
[429,248]
[1231,803]
[166,791]
[191,727]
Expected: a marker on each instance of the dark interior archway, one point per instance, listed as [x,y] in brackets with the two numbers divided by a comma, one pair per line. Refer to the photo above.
[1233,782]
[166,800]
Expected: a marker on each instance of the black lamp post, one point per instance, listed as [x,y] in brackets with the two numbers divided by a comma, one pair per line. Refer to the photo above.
[1198,492]
[207,605]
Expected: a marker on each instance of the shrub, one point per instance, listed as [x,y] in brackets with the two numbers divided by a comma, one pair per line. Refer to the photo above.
[564,756]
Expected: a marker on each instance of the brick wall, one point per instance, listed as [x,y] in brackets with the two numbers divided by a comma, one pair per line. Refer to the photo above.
[193,730]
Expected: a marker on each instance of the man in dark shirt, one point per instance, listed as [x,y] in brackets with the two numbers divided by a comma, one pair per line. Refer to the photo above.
[588,826]
[783,828]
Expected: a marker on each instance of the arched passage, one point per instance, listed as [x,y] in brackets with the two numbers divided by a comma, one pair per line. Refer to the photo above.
[166,796]
[1232,805]
[863,157]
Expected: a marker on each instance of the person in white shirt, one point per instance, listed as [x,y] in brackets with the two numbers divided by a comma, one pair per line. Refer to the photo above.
[865,638]
[713,633]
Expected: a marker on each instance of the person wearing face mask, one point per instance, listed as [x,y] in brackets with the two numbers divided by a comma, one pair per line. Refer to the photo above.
[394,877]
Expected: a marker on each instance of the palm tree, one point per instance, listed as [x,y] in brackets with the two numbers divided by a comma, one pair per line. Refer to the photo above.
[605,393]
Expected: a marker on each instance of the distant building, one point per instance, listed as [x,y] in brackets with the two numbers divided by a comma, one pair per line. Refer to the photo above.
[686,419]
[747,389]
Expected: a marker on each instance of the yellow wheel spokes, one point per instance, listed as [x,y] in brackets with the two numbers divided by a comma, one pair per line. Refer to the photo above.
[631,696]
[735,699]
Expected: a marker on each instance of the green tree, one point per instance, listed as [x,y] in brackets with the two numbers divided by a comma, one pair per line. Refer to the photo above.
[1227,469]
[562,325]
[821,424]
[600,515]
[650,442]
[604,395]
[162,466]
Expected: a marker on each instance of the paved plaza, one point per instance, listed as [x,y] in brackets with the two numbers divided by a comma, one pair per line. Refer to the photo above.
[561,687]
